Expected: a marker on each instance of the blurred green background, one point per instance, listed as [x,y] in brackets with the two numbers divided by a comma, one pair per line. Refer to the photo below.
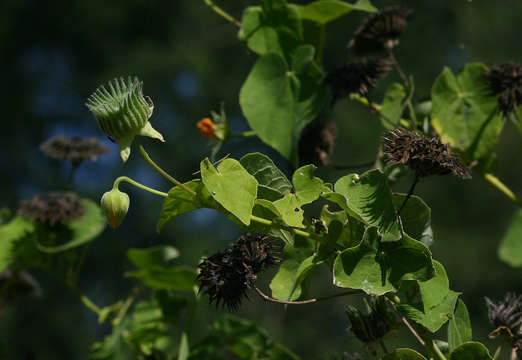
[53,54]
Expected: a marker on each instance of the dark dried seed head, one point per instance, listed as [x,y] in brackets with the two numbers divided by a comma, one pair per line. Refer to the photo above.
[227,276]
[74,149]
[52,207]
[316,143]
[377,322]
[356,77]
[505,80]
[380,30]
[506,317]
[426,156]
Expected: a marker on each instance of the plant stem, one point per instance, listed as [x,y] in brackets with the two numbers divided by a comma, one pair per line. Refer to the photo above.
[244,134]
[497,353]
[163,172]
[88,303]
[407,323]
[137,184]
[125,307]
[493,180]
[270,223]
[397,67]
[70,178]
[438,352]
[309,301]
[383,346]
[222,13]
[410,193]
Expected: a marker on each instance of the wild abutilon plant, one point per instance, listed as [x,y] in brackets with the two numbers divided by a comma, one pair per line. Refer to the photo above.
[381,30]
[52,208]
[358,77]
[123,112]
[227,275]
[424,155]
[505,81]
[74,149]
[506,316]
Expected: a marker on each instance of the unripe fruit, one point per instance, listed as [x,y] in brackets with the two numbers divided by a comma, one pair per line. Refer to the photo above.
[122,112]
[115,205]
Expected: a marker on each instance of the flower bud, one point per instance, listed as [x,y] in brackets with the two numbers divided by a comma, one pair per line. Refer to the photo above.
[206,128]
[122,112]
[115,205]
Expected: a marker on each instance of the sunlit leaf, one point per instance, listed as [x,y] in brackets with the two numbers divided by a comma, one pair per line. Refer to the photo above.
[459,326]
[325,11]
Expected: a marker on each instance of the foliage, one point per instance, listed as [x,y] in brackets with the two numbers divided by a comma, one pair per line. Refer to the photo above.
[374,241]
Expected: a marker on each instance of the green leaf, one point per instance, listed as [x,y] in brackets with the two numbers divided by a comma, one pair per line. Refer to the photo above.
[157,256]
[176,278]
[183,347]
[432,319]
[434,290]
[10,233]
[459,326]
[266,210]
[464,113]
[470,351]
[416,218]
[307,188]
[343,230]
[272,28]
[179,201]
[393,104]
[325,11]
[510,250]
[404,354]
[80,231]
[265,172]
[231,186]
[155,269]
[298,262]
[278,103]
[369,198]
[378,268]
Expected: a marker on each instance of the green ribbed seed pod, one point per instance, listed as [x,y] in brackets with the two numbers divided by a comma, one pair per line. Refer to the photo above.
[122,112]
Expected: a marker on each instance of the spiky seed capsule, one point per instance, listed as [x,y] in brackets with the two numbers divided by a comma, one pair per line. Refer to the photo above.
[52,208]
[115,205]
[122,112]
[426,156]
[506,316]
[505,80]
[356,77]
[316,143]
[74,149]
[380,30]
[227,276]
[377,322]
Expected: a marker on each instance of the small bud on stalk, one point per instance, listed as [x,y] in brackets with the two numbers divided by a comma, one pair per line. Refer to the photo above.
[115,205]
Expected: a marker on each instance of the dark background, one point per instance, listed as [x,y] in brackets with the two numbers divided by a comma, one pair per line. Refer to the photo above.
[53,54]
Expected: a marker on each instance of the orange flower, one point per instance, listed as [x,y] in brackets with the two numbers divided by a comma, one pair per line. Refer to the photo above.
[206,127]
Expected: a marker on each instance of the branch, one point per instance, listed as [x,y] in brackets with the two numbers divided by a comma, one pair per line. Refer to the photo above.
[309,301]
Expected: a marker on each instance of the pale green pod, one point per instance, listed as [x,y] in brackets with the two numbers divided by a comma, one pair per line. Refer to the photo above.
[115,205]
[122,112]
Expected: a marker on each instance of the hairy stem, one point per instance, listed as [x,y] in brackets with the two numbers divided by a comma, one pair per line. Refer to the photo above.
[493,180]
[88,303]
[137,184]
[408,325]
[309,301]
[125,307]
[70,177]
[302,233]
[222,13]
[163,172]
